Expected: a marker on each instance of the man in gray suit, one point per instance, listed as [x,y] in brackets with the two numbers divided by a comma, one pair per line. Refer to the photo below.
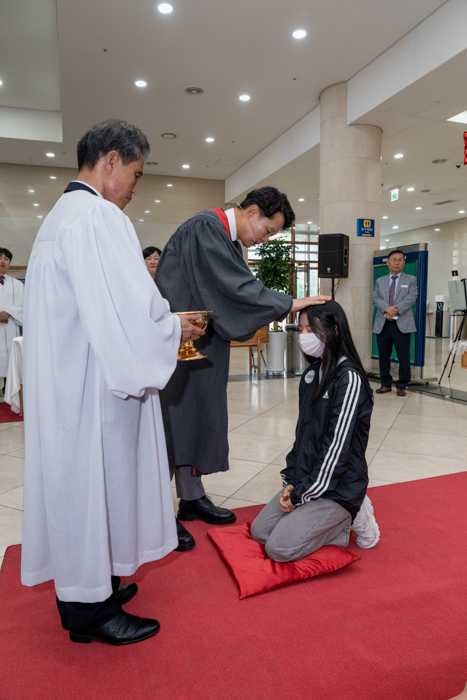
[393,296]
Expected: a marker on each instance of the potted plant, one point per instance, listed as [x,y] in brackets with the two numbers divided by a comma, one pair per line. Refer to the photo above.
[275,270]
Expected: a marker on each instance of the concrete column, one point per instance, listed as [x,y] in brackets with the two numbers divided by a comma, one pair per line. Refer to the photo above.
[350,189]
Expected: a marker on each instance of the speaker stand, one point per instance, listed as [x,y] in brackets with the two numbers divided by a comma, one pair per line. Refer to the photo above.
[332,289]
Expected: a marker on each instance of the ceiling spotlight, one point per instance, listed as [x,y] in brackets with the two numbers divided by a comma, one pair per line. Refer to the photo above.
[309,222]
[410,189]
[142,220]
[39,217]
[169,185]
[168,135]
[140,83]
[165,8]
[417,208]
[209,139]
[185,166]
[1,82]
[301,199]
[31,191]
[244,98]
[399,155]
[53,177]
[461,211]
[157,201]
[35,204]
[387,240]
[50,155]
[146,211]
[194,91]
[299,34]
[438,229]
[385,217]
[395,227]
[151,162]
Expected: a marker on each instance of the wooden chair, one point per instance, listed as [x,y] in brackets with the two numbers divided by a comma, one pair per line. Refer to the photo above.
[259,337]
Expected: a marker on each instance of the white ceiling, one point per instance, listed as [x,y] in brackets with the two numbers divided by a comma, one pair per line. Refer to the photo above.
[227,49]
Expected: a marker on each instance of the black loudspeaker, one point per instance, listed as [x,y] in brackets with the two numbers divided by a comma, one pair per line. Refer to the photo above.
[333,255]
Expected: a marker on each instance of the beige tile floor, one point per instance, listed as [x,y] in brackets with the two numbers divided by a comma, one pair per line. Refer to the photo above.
[411,438]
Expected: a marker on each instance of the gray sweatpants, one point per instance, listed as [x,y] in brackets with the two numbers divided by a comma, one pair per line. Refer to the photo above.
[292,536]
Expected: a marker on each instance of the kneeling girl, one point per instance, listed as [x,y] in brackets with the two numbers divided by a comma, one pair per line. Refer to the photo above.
[326,474]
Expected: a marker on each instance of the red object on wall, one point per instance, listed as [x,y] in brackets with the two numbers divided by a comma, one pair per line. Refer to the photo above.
[465,147]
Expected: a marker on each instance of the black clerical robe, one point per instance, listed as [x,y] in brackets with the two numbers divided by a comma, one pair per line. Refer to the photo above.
[201,268]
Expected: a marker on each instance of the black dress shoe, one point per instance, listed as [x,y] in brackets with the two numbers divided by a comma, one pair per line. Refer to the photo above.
[125,593]
[204,509]
[185,539]
[121,629]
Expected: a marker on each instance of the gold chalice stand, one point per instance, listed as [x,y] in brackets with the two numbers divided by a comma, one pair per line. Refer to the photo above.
[187,350]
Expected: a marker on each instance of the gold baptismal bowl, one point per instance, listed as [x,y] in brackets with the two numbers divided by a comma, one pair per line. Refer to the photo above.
[187,350]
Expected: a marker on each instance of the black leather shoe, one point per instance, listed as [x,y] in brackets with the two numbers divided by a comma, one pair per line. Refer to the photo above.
[125,592]
[204,509]
[185,539]
[121,629]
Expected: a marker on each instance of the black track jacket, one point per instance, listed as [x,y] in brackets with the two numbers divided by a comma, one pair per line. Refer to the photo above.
[328,457]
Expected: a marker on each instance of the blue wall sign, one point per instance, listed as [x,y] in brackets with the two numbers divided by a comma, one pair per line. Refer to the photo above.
[366,228]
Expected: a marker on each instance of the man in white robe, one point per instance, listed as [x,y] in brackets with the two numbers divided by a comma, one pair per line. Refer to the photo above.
[99,343]
[11,309]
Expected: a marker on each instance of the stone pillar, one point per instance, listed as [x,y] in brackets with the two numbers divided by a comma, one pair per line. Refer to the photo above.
[350,189]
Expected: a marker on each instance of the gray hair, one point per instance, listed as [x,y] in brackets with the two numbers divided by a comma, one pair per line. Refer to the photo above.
[111,135]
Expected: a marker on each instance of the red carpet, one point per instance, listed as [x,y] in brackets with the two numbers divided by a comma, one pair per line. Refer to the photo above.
[391,626]
[8,416]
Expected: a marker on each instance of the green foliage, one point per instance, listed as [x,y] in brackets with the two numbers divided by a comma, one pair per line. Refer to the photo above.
[275,268]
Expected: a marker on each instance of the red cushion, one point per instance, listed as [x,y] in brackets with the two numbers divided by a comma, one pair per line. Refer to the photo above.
[255,573]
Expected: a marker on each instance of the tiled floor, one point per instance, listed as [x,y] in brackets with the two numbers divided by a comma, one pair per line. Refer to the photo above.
[411,438]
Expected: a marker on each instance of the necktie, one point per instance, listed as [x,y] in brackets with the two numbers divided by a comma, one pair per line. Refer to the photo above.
[2,279]
[392,290]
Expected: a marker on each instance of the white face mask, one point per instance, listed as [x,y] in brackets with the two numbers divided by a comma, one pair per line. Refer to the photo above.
[311,344]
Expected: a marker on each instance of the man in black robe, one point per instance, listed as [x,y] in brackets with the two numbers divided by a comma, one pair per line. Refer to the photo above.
[202,268]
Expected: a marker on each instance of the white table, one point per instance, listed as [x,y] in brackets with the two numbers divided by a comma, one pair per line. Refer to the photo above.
[14,381]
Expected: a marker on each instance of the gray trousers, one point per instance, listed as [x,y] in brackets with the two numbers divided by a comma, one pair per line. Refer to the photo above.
[292,536]
[189,487]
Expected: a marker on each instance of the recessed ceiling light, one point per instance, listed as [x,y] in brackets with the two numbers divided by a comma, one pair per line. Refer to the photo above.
[50,155]
[1,82]
[140,83]
[185,166]
[395,227]
[309,222]
[31,191]
[387,240]
[194,90]
[301,199]
[417,208]
[53,177]
[165,8]
[141,220]
[151,162]
[438,161]
[169,185]
[299,34]
[35,204]
[157,201]
[244,98]
[39,217]
[209,139]
[399,155]
[410,189]
[147,211]
[168,135]
[438,229]
[385,217]
[461,118]
[461,211]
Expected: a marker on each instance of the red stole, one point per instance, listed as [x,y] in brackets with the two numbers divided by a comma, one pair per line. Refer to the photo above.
[224,220]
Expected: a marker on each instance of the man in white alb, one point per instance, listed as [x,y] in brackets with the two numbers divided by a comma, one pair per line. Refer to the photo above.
[99,343]
[11,309]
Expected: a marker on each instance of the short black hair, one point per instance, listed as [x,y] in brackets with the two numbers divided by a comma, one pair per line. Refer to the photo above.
[111,135]
[5,251]
[393,252]
[150,250]
[270,201]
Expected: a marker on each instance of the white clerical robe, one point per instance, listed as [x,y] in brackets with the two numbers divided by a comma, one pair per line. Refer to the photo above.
[11,300]
[99,342]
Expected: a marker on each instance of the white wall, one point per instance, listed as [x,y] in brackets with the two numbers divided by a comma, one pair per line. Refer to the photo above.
[447,251]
